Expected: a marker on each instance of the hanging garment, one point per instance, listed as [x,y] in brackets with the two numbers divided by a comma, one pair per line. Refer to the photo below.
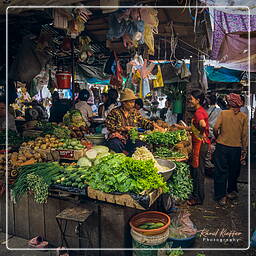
[234,51]
[146,87]
[229,23]
[158,82]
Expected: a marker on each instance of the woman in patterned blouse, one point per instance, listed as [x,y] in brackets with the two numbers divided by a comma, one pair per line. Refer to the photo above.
[120,120]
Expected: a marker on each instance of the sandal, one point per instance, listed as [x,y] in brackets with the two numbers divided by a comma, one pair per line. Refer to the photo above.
[37,242]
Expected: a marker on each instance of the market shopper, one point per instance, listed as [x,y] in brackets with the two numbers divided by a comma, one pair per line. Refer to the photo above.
[59,108]
[167,115]
[244,108]
[200,143]
[102,106]
[231,131]
[139,105]
[121,120]
[84,107]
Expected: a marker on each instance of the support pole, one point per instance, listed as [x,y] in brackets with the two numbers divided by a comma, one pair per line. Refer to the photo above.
[73,71]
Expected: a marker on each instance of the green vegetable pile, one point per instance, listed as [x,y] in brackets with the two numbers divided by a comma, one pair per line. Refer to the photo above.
[118,173]
[53,129]
[36,177]
[151,225]
[13,138]
[180,184]
[61,132]
[46,127]
[71,144]
[134,134]
[167,138]
[164,152]
[72,176]
[175,253]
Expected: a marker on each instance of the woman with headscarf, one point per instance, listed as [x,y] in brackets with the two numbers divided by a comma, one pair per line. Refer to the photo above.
[231,131]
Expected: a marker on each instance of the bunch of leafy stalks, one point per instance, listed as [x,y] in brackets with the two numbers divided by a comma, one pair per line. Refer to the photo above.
[36,178]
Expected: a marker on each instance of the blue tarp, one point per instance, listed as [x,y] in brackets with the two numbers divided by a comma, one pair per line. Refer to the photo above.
[97,81]
[223,74]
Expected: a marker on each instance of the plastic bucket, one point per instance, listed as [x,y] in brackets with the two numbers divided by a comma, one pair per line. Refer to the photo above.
[63,80]
[140,241]
[183,243]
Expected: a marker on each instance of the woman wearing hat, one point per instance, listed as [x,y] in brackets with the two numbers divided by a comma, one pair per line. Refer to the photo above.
[231,132]
[121,119]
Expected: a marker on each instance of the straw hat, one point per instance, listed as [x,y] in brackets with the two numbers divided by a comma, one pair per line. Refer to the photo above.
[127,94]
[109,3]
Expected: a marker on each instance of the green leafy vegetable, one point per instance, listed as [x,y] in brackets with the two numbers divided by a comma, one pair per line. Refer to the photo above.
[167,138]
[118,173]
[165,152]
[180,184]
[134,134]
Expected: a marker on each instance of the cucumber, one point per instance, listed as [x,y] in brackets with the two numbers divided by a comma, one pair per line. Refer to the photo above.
[144,226]
[157,225]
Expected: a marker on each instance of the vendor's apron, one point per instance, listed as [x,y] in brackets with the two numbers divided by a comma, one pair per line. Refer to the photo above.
[197,140]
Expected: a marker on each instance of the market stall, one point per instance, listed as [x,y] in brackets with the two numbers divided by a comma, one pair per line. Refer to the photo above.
[64,182]
[113,187]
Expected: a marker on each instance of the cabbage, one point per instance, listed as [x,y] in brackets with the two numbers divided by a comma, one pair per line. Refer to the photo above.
[84,162]
[101,149]
[91,154]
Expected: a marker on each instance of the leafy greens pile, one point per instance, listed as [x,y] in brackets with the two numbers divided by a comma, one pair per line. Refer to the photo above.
[118,173]
[165,152]
[167,138]
[180,184]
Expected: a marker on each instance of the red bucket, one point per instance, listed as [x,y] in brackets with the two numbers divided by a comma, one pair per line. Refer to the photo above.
[63,80]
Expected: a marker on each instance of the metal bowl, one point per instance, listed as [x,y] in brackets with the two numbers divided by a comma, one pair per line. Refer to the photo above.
[97,139]
[99,120]
[166,163]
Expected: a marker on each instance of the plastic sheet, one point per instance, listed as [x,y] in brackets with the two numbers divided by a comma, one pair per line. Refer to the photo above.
[118,29]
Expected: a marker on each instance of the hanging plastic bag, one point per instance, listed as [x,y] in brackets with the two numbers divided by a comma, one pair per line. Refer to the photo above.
[158,82]
[145,87]
[184,71]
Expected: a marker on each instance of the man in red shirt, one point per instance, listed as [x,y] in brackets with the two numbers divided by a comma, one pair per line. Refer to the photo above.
[200,142]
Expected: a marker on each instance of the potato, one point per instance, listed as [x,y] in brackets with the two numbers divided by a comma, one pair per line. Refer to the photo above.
[44,146]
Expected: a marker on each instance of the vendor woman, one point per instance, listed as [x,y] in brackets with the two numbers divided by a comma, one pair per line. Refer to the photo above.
[200,143]
[122,119]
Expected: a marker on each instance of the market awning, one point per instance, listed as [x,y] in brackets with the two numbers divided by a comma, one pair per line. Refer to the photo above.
[223,74]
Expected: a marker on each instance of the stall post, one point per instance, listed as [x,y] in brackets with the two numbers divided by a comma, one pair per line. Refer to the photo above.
[73,71]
